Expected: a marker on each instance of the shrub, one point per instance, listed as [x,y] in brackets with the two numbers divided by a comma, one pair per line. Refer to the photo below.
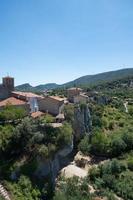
[43,151]
[130,164]
[69,113]
[111,125]
[47,119]
[94,173]
[64,136]
[99,144]
[118,146]
[84,145]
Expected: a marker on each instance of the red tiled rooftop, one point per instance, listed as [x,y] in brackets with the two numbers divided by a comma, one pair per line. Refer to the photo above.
[26,94]
[12,101]
[37,114]
[57,98]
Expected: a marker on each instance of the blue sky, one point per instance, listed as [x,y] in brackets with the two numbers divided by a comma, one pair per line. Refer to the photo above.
[45,41]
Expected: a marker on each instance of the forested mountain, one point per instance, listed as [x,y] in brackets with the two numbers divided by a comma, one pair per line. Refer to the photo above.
[82,81]
[39,88]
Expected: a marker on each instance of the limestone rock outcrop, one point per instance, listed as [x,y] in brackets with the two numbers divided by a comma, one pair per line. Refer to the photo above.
[82,121]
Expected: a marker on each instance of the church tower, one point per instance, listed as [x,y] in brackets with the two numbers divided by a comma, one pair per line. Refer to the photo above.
[8,83]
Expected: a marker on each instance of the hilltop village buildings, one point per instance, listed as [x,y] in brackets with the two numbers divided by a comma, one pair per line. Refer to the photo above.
[35,104]
[76,95]
[27,100]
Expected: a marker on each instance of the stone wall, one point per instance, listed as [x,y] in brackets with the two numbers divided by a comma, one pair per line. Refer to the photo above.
[81,99]
[50,105]
[71,93]
[4,93]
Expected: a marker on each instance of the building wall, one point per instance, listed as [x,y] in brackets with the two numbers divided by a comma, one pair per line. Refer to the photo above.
[6,87]
[50,105]
[4,93]
[72,93]
[8,82]
[80,99]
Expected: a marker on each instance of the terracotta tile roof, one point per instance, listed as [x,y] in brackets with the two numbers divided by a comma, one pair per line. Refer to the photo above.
[37,114]
[56,98]
[26,94]
[13,101]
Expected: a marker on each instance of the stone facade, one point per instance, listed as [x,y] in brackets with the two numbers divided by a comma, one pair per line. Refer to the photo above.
[4,93]
[72,92]
[52,105]
[6,87]
[81,98]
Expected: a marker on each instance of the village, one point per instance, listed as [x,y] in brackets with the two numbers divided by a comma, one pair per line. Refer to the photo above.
[38,105]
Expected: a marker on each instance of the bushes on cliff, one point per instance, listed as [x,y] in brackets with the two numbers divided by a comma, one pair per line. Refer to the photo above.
[23,135]
[6,134]
[73,189]
[64,135]
[113,176]
[11,113]
[23,189]
[43,151]
[69,113]
[84,145]
[47,119]
[99,144]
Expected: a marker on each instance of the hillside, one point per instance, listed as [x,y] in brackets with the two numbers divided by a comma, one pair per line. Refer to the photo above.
[46,86]
[82,81]
[27,87]
[24,87]
[102,77]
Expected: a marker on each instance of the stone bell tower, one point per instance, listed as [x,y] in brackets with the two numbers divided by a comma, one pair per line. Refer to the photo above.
[8,83]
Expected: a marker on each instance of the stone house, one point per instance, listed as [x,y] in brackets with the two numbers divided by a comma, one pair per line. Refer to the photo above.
[81,98]
[29,97]
[30,101]
[15,102]
[51,104]
[72,92]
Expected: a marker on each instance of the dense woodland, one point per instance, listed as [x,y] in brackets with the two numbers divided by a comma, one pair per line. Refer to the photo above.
[23,140]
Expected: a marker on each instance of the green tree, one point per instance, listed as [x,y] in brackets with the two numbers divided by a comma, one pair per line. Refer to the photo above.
[99,144]
[11,113]
[64,136]
[118,146]
[69,113]
[84,145]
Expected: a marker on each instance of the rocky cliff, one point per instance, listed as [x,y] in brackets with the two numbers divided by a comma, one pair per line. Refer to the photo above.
[53,166]
[82,125]
[82,121]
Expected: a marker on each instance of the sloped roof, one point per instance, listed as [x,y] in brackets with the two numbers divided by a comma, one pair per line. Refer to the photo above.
[12,101]
[26,94]
[57,98]
[37,114]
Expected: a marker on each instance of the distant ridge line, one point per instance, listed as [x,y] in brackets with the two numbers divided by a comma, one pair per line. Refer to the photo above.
[81,81]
